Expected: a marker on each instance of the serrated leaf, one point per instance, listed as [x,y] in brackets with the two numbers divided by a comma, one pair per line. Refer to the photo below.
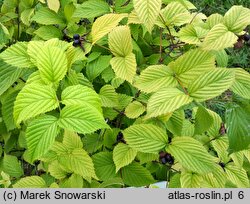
[8,75]
[219,38]
[79,95]
[136,175]
[56,170]
[7,110]
[97,66]
[33,100]
[40,135]
[237,175]
[190,180]
[46,16]
[79,162]
[30,182]
[16,55]
[203,120]
[237,18]
[155,77]
[238,129]
[123,155]
[82,119]
[92,142]
[109,97]
[104,165]
[191,155]
[74,181]
[53,5]
[147,11]
[120,41]
[104,24]
[192,64]
[91,9]
[12,166]
[33,48]
[48,32]
[146,138]
[216,179]
[52,64]
[220,145]
[124,67]
[241,86]
[134,109]
[211,84]
[72,140]
[111,182]
[165,101]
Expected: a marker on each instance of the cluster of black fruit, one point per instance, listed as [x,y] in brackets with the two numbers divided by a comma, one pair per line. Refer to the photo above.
[166,158]
[247,37]
[77,40]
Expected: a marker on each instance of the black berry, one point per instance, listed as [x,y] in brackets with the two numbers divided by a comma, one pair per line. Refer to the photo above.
[246,37]
[76,37]
[163,160]
[169,158]
[222,164]
[76,43]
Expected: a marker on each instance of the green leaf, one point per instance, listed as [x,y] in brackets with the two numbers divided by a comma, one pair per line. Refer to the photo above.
[56,170]
[46,16]
[146,138]
[213,20]
[123,155]
[26,16]
[165,101]
[134,109]
[191,34]
[221,58]
[52,64]
[174,14]
[124,67]
[8,75]
[216,179]
[155,77]
[211,84]
[48,32]
[191,155]
[72,140]
[191,65]
[12,166]
[220,145]
[203,120]
[33,48]
[120,41]
[74,181]
[53,5]
[111,183]
[79,162]
[92,142]
[147,11]
[109,97]
[33,100]
[104,24]
[237,175]
[241,85]
[91,9]
[80,95]
[237,18]
[7,110]
[96,67]
[219,38]
[238,131]
[81,118]
[30,182]
[16,55]
[40,135]
[136,175]
[190,180]
[104,165]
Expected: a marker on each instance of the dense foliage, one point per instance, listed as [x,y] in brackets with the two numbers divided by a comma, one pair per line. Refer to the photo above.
[122,93]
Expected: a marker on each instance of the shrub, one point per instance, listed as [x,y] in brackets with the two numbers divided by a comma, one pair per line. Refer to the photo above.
[104,94]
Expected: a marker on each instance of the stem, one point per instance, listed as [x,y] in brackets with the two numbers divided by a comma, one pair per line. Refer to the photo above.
[161,59]
[182,86]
